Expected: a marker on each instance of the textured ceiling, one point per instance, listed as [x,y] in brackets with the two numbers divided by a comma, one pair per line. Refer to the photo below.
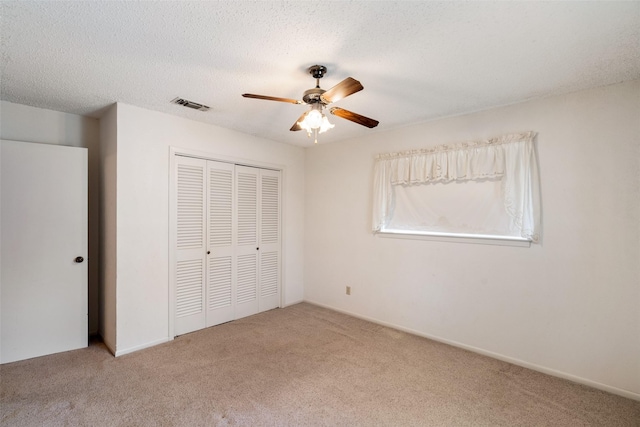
[417,61]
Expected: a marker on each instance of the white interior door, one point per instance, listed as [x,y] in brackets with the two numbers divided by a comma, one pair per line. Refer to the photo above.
[269,240]
[220,213]
[43,282]
[190,252]
[246,248]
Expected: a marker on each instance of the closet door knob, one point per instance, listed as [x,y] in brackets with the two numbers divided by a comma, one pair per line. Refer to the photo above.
[257,249]
[208,252]
[79,259]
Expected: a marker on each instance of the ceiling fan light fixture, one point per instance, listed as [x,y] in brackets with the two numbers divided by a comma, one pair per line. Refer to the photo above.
[305,125]
[325,126]
[313,120]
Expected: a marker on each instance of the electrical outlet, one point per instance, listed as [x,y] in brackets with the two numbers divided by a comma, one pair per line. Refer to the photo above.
[348,290]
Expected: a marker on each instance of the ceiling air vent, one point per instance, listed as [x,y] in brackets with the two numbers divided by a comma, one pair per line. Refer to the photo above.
[189,104]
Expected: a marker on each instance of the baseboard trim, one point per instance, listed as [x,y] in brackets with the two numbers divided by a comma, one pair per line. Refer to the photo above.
[292,303]
[584,381]
[140,347]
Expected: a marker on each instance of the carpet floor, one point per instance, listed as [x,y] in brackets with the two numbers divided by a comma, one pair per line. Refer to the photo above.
[298,366]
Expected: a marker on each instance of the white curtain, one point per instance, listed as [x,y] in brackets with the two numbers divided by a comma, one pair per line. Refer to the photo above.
[510,158]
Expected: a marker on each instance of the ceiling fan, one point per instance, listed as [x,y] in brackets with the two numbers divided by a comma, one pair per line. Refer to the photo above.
[313,120]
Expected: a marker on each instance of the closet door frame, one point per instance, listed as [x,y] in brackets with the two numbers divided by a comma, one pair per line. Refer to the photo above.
[184,152]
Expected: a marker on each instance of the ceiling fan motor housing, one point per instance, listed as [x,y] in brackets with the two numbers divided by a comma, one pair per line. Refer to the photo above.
[312,96]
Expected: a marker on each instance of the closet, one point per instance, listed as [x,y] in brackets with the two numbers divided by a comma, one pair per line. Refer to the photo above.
[227,253]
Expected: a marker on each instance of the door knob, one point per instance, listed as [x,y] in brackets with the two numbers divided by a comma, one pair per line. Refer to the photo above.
[79,259]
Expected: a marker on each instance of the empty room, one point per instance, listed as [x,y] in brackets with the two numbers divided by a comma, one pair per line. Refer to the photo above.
[300,213]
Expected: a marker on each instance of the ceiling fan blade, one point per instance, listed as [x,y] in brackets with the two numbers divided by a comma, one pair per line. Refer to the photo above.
[347,87]
[271,98]
[296,126]
[356,118]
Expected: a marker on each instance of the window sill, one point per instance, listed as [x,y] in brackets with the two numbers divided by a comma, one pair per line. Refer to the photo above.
[479,239]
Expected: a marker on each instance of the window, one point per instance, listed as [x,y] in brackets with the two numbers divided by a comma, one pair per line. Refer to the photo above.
[487,189]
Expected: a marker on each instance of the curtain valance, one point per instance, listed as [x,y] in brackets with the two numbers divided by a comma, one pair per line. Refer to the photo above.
[511,158]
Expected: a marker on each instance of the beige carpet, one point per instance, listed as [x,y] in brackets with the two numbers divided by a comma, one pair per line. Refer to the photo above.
[302,365]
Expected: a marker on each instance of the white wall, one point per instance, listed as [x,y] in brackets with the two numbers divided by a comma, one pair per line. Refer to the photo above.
[108,226]
[144,139]
[568,306]
[29,124]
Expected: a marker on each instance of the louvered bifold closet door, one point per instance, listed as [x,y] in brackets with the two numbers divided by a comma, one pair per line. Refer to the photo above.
[269,240]
[190,251]
[220,213]
[246,241]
